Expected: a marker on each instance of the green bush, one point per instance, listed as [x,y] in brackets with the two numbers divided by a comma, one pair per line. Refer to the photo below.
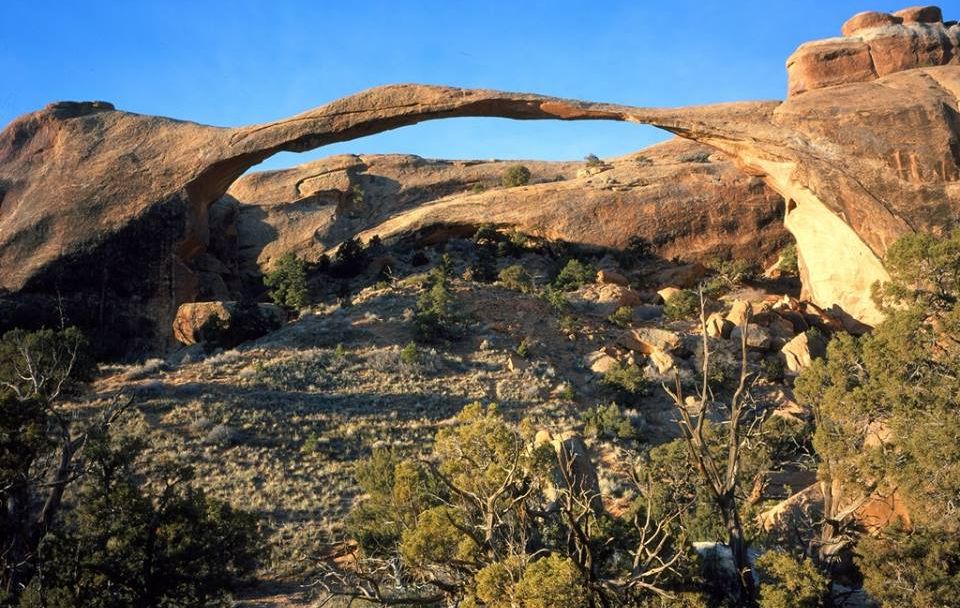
[626,379]
[483,269]
[574,275]
[788,262]
[516,277]
[789,583]
[515,175]
[622,317]
[288,282]
[727,275]
[436,316]
[593,160]
[608,422]
[351,259]
[469,511]
[684,304]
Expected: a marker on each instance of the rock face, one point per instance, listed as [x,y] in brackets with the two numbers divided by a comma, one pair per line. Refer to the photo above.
[687,209]
[106,213]
[875,44]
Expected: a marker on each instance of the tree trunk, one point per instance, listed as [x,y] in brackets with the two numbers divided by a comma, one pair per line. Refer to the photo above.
[738,547]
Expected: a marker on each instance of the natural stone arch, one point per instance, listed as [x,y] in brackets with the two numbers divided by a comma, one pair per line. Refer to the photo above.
[104,184]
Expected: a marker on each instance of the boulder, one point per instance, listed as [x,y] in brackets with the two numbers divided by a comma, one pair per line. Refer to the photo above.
[646,340]
[225,323]
[668,292]
[873,45]
[600,361]
[718,326]
[758,338]
[516,363]
[613,277]
[739,312]
[664,362]
[800,352]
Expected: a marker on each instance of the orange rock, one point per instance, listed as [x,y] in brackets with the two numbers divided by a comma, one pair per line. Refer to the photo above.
[867,20]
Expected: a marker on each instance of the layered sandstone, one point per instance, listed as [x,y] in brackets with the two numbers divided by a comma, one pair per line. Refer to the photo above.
[873,45]
[689,201]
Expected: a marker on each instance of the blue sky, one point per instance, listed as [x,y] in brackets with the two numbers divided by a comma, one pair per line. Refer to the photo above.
[243,61]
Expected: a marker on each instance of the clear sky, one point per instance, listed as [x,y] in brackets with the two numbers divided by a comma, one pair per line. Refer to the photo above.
[243,61]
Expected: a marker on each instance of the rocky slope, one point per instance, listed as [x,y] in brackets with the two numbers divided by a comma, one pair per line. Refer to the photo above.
[688,200]
[104,213]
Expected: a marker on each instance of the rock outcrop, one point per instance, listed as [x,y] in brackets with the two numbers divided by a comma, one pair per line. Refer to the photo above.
[691,209]
[875,44]
[104,214]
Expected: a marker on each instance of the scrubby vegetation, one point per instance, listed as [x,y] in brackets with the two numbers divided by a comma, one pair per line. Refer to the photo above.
[288,282]
[489,522]
[888,414]
[515,175]
[80,523]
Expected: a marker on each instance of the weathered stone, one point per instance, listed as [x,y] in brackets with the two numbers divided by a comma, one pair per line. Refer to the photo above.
[600,361]
[646,340]
[739,312]
[758,338]
[664,362]
[610,276]
[516,363]
[718,326]
[198,322]
[667,292]
[800,352]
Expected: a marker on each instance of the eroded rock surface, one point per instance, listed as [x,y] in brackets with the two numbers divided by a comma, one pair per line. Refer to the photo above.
[104,214]
[688,200]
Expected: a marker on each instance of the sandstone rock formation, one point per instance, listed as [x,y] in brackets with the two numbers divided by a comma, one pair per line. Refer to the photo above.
[106,212]
[875,44]
[688,209]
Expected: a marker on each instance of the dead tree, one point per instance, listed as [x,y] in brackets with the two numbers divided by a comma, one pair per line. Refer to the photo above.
[720,476]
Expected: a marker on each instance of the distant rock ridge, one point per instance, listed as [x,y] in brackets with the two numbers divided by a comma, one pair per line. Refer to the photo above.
[106,214]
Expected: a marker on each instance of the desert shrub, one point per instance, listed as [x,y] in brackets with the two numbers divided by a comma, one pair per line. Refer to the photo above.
[622,316]
[608,422]
[288,282]
[684,304]
[574,275]
[786,582]
[638,250]
[458,525]
[772,368]
[515,175]
[915,569]
[727,275]
[517,278]
[523,348]
[477,188]
[487,234]
[305,370]
[555,298]
[436,316]
[700,156]
[351,258]
[903,375]
[43,364]
[788,262]
[175,547]
[484,266]
[593,160]
[410,354]
[627,380]
[357,195]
